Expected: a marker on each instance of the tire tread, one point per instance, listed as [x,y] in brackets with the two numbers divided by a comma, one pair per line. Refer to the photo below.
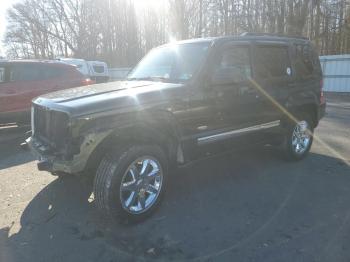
[106,174]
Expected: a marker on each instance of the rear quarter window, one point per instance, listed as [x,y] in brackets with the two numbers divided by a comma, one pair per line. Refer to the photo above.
[272,62]
[305,62]
[53,72]
[73,72]
[316,62]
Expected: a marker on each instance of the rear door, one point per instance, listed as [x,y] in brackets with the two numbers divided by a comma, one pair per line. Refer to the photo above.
[236,101]
[16,91]
[31,80]
[26,81]
[307,71]
[273,78]
[51,79]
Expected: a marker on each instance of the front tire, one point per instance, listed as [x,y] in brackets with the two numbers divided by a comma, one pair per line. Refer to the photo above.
[130,183]
[299,138]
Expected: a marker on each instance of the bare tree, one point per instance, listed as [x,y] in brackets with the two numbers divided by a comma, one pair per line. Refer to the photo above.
[119,33]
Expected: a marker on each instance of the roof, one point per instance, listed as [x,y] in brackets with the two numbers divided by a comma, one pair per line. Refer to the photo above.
[274,35]
[71,59]
[246,36]
[33,61]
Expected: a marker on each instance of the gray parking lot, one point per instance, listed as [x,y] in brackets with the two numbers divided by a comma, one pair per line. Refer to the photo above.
[254,206]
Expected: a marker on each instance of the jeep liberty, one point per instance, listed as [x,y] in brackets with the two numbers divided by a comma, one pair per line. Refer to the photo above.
[180,102]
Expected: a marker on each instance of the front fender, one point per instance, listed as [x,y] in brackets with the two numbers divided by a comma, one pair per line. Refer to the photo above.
[148,127]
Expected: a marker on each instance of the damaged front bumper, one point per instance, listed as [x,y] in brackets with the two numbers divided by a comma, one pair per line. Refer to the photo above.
[51,162]
[54,162]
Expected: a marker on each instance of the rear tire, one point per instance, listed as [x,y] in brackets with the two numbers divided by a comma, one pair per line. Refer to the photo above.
[130,183]
[298,138]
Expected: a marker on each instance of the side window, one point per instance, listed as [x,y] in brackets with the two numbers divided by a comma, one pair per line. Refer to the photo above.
[2,74]
[304,62]
[234,63]
[25,73]
[51,72]
[99,69]
[272,61]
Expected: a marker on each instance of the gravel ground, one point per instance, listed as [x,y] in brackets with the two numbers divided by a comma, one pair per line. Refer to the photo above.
[248,207]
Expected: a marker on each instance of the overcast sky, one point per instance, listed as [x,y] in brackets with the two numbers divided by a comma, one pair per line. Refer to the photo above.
[5,4]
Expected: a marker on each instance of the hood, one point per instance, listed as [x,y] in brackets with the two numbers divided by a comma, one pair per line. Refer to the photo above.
[92,90]
[103,97]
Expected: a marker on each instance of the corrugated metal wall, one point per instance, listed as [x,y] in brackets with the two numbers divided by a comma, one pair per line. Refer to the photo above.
[336,73]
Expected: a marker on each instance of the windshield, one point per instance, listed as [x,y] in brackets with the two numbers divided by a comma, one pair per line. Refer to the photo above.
[175,63]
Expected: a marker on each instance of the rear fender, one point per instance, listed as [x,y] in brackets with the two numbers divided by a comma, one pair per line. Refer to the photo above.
[302,103]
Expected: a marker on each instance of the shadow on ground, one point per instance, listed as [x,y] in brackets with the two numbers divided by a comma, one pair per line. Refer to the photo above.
[10,139]
[252,207]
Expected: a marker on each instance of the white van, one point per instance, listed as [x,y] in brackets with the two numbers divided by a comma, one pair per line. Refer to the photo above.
[98,71]
[95,70]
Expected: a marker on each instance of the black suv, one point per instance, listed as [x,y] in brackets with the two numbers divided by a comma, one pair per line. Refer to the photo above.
[182,101]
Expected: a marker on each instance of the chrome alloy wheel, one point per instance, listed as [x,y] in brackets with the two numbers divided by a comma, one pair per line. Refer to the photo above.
[301,137]
[141,185]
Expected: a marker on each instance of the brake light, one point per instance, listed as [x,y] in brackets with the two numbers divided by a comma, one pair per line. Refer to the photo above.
[322,98]
[87,82]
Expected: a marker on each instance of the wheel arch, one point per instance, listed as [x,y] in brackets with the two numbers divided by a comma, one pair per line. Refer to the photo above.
[307,108]
[303,101]
[297,105]
[160,129]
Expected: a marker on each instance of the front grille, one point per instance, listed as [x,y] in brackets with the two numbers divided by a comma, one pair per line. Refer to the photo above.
[50,126]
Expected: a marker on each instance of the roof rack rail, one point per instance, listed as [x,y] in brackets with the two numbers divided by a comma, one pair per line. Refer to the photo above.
[270,34]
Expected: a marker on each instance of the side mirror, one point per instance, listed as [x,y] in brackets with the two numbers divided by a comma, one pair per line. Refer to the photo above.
[228,76]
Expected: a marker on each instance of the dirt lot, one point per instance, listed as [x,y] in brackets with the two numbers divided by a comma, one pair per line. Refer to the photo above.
[251,207]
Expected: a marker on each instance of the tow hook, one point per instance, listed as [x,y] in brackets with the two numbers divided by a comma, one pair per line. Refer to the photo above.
[24,146]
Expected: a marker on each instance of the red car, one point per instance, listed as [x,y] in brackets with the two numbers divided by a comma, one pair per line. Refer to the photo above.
[23,80]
